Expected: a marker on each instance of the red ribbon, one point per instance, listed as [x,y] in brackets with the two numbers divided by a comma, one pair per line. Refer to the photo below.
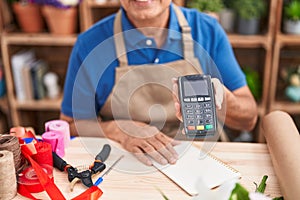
[28,179]
[46,183]
[92,193]
[38,153]
[44,153]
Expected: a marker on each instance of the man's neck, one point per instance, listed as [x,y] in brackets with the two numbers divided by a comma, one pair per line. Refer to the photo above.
[155,28]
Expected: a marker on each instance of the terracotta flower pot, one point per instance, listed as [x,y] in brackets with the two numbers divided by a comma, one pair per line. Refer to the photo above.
[29,17]
[60,21]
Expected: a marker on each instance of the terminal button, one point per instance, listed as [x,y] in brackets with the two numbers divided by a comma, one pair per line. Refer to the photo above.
[187,100]
[191,128]
[194,99]
[188,106]
[200,128]
[209,126]
[207,98]
[200,99]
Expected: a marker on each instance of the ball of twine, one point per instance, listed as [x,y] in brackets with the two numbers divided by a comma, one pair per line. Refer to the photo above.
[11,143]
[8,182]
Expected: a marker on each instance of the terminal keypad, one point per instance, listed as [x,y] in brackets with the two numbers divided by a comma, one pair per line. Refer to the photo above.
[199,113]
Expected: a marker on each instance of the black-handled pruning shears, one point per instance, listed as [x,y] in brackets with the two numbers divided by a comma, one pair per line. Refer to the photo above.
[98,165]
[84,176]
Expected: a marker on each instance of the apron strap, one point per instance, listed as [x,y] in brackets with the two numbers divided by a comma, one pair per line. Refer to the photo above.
[119,40]
[188,47]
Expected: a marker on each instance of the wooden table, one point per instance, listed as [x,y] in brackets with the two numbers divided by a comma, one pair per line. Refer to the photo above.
[251,159]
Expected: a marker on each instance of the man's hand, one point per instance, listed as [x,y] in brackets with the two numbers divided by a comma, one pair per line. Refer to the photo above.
[144,140]
[136,137]
[218,90]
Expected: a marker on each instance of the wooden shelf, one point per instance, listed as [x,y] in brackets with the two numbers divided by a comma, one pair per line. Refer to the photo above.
[281,40]
[44,104]
[290,107]
[288,39]
[88,17]
[10,42]
[250,41]
[4,105]
[38,39]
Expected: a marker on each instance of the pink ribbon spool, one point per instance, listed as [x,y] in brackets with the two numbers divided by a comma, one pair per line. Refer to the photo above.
[56,139]
[59,126]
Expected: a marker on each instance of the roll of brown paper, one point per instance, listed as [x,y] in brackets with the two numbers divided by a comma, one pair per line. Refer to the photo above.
[283,141]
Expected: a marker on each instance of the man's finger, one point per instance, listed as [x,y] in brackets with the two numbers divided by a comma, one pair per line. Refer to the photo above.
[219,92]
[178,111]
[172,150]
[152,152]
[175,99]
[146,147]
[163,150]
[166,140]
[169,143]
[158,157]
[140,155]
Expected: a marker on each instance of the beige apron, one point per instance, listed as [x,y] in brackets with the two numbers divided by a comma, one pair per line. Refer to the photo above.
[144,93]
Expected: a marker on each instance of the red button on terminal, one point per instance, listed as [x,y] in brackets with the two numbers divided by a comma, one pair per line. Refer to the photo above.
[191,128]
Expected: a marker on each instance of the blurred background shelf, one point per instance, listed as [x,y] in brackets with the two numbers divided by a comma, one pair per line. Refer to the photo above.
[286,59]
[45,39]
[250,41]
[53,49]
[43,104]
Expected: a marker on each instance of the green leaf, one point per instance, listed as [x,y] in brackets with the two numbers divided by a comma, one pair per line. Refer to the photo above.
[206,5]
[278,198]
[162,194]
[262,186]
[250,9]
[292,10]
[253,81]
[239,192]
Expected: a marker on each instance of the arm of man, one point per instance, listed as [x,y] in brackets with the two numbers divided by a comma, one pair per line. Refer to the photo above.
[148,140]
[241,109]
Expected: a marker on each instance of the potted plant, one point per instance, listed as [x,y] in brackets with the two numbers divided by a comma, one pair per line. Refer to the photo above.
[227,16]
[292,17]
[211,7]
[61,15]
[28,15]
[254,81]
[249,13]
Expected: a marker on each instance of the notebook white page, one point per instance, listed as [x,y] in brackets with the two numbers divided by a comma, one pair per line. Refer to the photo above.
[191,167]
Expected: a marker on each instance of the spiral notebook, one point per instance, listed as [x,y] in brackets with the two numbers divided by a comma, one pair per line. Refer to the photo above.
[191,167]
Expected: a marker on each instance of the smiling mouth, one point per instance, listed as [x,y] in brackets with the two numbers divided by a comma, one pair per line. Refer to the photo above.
[143,3]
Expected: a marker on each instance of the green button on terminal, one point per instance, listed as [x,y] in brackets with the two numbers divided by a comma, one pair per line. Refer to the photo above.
[209,126]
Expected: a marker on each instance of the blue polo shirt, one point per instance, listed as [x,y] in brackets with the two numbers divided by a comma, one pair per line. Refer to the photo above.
[91,71]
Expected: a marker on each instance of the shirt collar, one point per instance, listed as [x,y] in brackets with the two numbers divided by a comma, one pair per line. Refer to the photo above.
[134,37]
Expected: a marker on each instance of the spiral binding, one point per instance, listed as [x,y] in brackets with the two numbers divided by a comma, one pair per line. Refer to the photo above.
[223,163]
